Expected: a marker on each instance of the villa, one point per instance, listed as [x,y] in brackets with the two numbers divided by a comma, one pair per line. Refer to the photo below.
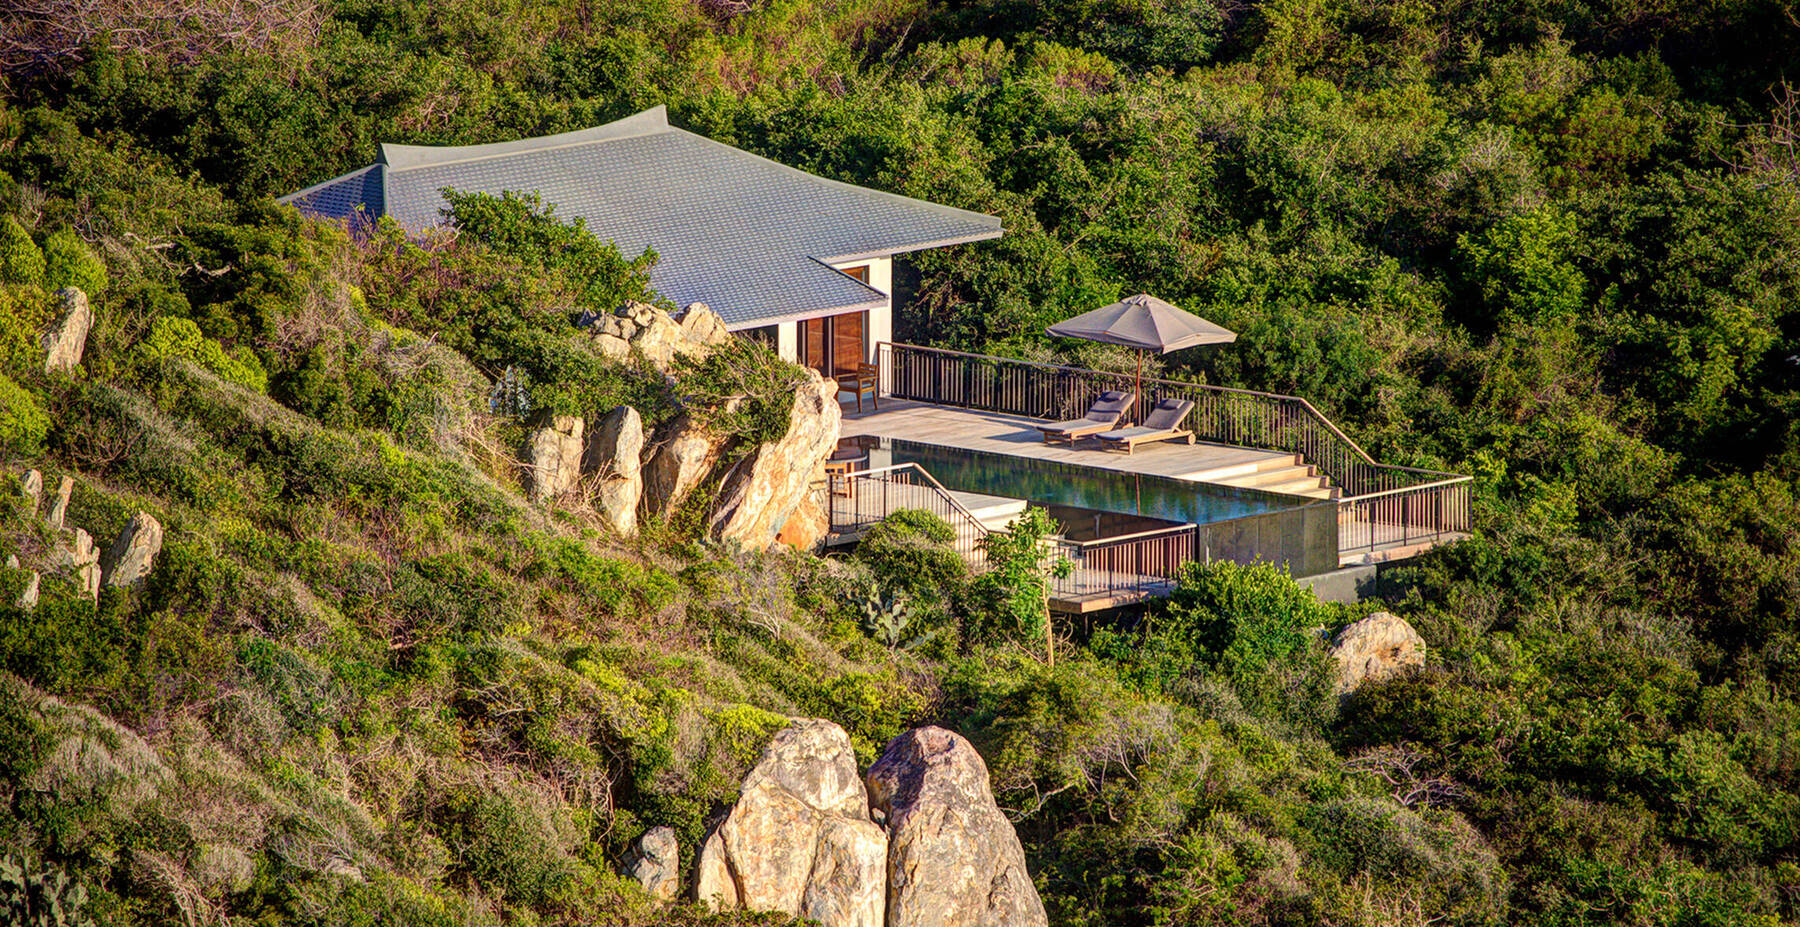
[805,264]
[799,261]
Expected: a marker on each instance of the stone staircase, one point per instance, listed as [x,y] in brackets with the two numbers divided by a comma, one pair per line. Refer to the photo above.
[1286,474]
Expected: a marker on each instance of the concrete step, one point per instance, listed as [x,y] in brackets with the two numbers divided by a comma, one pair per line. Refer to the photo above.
[1275,477]
[1248,468]
[1312,486]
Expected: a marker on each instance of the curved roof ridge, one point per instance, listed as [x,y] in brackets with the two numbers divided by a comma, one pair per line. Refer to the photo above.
[402,157]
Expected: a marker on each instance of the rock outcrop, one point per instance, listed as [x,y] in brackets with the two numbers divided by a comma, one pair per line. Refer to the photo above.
[59,504]
[81,557]
[953,858]
[64,343]
[655,334]
[766,490]
[28,597]
[554,457]
[615,452]
[800,840]
[133,554]
[686,452]
[31,486]
[1378,647]
[655,863]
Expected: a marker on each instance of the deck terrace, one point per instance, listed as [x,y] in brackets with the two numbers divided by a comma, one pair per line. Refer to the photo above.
[999,433]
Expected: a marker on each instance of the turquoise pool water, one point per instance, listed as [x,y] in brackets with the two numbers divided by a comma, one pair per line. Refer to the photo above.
[1047,481]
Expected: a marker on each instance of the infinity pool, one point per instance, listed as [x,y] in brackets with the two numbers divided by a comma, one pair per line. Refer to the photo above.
[1060,484]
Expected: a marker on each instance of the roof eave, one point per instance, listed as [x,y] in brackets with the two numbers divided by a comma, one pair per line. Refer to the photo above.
[765,321]
[985,235]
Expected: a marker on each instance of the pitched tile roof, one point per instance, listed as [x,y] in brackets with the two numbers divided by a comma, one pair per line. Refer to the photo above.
[745,235]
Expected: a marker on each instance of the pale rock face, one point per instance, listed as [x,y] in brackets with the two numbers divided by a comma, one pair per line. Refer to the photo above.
[555,457]
[684,456]
[612,346]
[615,451]
[80,552]
[656,335]
[806,528]
[31,485]
[799,840]
[1378,647]
[702,328]
[655,863]
[133,555]
[953,859]
[59,504]
[767,490]
[28,598]
[64,343]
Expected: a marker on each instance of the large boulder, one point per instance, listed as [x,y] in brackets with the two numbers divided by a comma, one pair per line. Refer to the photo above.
[63,344]
[615,451]
[1378,647]
[800,840]
[765,491]
[686,452]
[655,863]
[554,457]
[133,554]
[953,858]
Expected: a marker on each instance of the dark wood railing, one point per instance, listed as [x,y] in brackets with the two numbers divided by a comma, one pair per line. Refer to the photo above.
[1403,517]
[1146,562]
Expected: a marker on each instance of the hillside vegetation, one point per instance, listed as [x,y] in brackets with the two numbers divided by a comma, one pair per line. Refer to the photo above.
[1550,245]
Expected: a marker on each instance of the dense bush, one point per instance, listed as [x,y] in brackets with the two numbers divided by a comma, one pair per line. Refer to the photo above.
[23,422]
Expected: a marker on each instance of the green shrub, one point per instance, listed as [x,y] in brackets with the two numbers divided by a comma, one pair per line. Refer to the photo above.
[21,263]
[68,262]
[25,313]
[23,423]
[910,553]
[180,339]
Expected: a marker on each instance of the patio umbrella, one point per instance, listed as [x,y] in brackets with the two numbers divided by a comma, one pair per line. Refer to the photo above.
[1145,323]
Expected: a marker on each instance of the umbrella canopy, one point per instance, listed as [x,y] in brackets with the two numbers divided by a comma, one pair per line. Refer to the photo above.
[1145,323]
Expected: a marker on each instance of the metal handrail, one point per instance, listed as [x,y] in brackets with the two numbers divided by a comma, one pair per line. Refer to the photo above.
[1135,536]
[949,497]
[1438,484]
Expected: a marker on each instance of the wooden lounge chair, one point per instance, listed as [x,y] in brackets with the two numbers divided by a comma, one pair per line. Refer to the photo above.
[1162,424]
[1103,415]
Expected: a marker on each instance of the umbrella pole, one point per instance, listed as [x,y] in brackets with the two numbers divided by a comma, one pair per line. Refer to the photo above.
[1137,401]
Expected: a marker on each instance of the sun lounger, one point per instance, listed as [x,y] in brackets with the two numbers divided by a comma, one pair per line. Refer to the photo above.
[1162,424]
[1102,416]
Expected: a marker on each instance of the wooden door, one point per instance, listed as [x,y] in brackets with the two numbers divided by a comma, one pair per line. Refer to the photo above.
[834,345]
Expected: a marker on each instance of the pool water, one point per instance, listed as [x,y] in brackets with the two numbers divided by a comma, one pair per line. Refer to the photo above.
[1048,481]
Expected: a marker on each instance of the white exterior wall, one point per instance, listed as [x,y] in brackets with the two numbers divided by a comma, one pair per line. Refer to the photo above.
[880,326]
[787,341]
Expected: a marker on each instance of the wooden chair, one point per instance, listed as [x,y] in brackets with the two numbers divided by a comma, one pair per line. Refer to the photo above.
[866,379]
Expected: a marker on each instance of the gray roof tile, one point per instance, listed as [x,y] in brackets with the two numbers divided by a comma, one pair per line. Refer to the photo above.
[741,233]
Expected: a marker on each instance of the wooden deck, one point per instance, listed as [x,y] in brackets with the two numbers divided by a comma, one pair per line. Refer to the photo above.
[999,433]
